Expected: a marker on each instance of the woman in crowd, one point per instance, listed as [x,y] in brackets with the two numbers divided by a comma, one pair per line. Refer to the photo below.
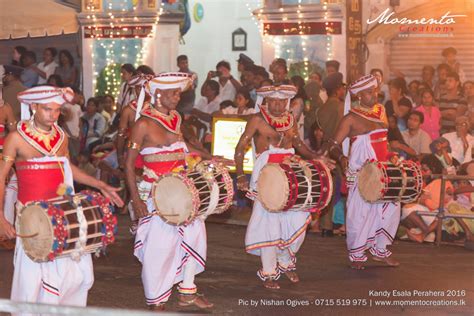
[398,105]
[47,67]
[242,106]
[66,69]
[431,113]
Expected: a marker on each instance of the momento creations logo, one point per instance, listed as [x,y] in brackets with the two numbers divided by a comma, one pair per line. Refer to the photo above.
[431,26]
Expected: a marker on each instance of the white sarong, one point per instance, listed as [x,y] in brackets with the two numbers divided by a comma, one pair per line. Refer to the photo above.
[275,237]
[368,225]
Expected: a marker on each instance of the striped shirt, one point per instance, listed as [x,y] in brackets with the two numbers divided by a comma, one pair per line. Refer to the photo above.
[448,125]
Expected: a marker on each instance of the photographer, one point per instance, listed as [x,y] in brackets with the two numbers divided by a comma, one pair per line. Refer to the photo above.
[228,85]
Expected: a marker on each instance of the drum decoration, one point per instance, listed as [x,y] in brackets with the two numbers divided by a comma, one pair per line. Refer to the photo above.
[67,226]
[295,185]
[383,181]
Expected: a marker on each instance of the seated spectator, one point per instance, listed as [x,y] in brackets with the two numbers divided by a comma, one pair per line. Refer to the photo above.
[228,85]
[398,105]
[66,69]
[428,201]
[396,141]
[29,77]
[416,138]
[427,76]
[441,149]
[145,70]
[413,88]
[463,204]
[460,141]
[451,104]
[440,86]
[243,105]
[47,67]
[208,104]
[431,114]
[55,81]
[468,91]
[96,122]
[108,108]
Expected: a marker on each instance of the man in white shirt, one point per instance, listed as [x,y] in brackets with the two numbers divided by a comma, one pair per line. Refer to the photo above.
[208,104]
[72,113]
[461,141]
[47,66]
[228,85]
[414,136]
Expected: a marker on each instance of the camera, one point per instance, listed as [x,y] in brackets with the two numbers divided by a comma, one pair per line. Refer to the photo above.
[216,74]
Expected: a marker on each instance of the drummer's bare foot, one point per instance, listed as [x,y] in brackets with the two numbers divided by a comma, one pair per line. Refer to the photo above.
[292,276]
[157,308]
[415,237]
[388,261]
[198,300]
[356,265]
[271,284]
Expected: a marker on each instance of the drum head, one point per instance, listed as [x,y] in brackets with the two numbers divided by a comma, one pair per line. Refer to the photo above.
[173,200]
[273,187]
[33,220]
[370,183]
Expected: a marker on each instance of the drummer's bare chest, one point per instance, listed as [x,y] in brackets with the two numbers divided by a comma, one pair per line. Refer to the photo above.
[362,126]
[267,136]
[158,136]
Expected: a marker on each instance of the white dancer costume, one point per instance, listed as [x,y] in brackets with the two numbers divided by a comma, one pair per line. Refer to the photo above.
[169,254]
[60,282]
[368,225]
[11,196]
[275,237]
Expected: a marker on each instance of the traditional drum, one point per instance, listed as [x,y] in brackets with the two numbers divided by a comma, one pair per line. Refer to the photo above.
[381,182]
[181,197]
[321,187]
[222,187]
[299,185]
[66,226]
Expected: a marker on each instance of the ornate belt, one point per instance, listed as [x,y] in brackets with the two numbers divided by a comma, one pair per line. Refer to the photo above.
[383,139]
[38,166]
[164,157]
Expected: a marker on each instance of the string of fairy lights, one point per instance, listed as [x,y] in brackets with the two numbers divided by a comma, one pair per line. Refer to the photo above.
[279,42]
[115,44]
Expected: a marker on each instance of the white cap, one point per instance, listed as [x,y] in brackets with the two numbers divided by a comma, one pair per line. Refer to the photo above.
[43,95]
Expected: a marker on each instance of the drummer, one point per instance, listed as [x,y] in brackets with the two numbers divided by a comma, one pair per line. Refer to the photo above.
[39,150]
[370,226]
[169,254]
[275,237]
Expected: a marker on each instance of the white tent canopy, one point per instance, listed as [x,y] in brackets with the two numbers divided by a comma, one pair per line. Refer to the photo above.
[35,18]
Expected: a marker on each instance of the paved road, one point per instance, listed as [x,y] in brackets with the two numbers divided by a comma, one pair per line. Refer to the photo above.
[230,278]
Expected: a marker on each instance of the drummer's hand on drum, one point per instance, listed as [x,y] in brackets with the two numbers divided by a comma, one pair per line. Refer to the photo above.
[6,229]
[242,183]
[331,164]
[139,207]
[111,193]
[224,161]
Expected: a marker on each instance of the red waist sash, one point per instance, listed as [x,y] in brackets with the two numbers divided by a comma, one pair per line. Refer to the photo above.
[162,165]
[379,144]
[278,157]
[38,180]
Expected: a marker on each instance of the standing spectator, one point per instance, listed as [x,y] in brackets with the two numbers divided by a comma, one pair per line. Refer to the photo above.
[13,86]
[398,105]
[145,70]
[55,81]
[228,86]
[330,113]
[47,67]
[279,71]
[313,89]
[318,80]
[431,113]
[188,97]
[29,77]
[127,93]
[96,122]
[244,62]
[298,103]
[415,137]
[450,59]
[17,52]
[332,67]
[460,141]
[72,113]
[384,92]
[427,76]
[66,70]
[451,104]
[440,88]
